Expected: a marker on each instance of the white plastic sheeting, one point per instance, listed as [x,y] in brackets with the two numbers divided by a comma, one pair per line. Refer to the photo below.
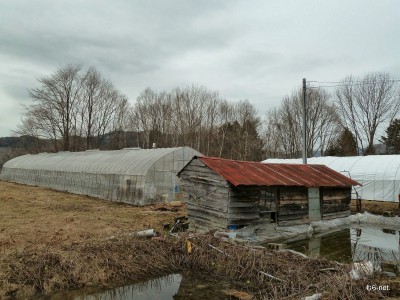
[378,174]
[136,176]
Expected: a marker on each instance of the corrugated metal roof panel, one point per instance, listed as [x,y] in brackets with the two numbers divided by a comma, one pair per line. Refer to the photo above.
[260,174]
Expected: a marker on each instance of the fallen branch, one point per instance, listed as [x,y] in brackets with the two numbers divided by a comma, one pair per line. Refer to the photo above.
[329,269]
[294,252]
[219,250]
[270,276]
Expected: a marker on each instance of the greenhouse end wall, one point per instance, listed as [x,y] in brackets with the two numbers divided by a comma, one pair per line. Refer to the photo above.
[134,176]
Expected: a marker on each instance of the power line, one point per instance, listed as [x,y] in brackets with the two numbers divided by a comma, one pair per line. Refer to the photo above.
[347,83]
[358,81]
[325,86]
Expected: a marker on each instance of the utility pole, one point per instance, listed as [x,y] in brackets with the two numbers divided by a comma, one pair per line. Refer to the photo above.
[304,122]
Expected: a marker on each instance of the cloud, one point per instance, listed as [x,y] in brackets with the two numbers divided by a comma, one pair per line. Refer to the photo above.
[258,50]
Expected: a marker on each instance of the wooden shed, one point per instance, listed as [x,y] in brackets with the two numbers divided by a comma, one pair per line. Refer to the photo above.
[222,193]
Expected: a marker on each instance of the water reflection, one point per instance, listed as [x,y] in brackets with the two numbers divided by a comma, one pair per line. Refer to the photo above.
[353,245]
[171,287]
[164,288]
[374,245]
[333,246]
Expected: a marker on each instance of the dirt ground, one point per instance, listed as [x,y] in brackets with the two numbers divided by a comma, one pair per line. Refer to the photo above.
[377,207]
[40,216]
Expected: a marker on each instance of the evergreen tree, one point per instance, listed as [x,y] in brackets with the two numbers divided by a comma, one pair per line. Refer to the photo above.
[392,138]
[345,145]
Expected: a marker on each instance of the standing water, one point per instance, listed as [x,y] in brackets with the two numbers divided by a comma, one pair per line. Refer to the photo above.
[352,245]
[171,287]
[164,288]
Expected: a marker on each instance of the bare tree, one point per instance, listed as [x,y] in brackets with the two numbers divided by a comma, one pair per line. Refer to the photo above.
[211,108]
[40,122]
[284,125]
[146,115]
[72,107]
[188,104]
[120,123]
[225,116]
[272,135]
[196,117]
[323,120]
[365,104]
[55,102]
[249,141]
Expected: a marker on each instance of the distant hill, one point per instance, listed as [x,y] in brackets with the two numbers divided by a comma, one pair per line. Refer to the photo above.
[4,149]
[109,141]
[24,141]
[4,152]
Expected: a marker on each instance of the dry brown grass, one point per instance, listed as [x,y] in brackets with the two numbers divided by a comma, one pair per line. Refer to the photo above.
[376,207]
[40,216]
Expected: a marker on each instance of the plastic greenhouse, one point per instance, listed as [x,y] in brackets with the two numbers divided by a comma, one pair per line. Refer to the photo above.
[136,176]
[378,174]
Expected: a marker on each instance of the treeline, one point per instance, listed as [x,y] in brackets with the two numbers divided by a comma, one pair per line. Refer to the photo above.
[196,117]
[78,109]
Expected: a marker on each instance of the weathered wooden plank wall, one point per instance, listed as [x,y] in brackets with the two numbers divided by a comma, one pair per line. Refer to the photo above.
[206,195]
[243,205]
[335,202]
[292,205]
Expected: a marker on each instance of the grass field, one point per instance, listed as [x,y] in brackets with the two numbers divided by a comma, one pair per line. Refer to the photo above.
[35,215]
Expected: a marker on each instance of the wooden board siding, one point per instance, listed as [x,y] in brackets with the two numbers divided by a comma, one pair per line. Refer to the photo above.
[206,196]
[205,219]
[335,202]
[292,205]
[243,206]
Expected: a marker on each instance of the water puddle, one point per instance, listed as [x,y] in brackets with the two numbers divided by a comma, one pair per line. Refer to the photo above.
[164,288]
[171,287]
[352,245]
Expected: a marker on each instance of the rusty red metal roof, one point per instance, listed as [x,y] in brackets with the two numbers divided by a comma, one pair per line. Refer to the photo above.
[266,174]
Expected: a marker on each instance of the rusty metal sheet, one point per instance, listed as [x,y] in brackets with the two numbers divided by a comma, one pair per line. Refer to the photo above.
[262,174]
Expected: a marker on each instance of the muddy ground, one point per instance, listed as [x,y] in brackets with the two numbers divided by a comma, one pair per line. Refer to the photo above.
[52,241]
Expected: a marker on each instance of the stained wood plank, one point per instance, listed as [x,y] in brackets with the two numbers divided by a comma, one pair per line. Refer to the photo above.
[242,204]
[202,210]
[336,215]
[243,209]
[293,212]
[283,203]
[243,214]
[188,181]
[293,222]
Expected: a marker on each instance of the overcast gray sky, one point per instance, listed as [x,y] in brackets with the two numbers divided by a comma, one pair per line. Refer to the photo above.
[255,50]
